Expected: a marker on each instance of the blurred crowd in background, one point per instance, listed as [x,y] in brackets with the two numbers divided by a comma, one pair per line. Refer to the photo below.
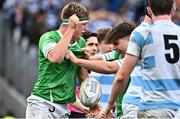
[29,19]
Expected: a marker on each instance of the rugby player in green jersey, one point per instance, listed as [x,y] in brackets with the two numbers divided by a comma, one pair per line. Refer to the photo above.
[56,82]
[119,37]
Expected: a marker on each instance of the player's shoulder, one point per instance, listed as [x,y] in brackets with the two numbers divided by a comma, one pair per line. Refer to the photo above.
[81,42]
[82,39]
[177,27]
[143,26]
[49,34]
[53,35]
[142,30]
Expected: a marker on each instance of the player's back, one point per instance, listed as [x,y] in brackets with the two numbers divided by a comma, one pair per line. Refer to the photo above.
[162,51]
[160,57]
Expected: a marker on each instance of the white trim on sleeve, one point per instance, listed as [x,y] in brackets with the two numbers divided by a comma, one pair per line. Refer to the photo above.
[133,49]
[119,62]
[104,57]
[48,48]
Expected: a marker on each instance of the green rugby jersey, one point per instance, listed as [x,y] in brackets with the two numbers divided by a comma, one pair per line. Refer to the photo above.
[119,111]
[56,82]
[113,55]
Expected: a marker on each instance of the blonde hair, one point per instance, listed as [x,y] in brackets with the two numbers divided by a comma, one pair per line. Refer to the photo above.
[74,8]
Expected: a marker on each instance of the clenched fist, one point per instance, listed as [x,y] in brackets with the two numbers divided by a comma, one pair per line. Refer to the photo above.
[73,21]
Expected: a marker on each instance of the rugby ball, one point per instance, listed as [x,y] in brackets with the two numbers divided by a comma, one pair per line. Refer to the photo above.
[90,92]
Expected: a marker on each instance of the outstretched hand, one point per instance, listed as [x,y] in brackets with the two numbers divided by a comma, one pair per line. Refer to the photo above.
[70,56]
[86,53]
[94,111]
[109,109]
[101,114]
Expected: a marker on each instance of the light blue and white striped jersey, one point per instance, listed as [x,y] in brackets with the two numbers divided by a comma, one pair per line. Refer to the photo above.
[106,80]
[133,93]
[158,47]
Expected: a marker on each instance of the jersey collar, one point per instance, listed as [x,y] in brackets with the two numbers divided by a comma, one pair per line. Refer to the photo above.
[60,34]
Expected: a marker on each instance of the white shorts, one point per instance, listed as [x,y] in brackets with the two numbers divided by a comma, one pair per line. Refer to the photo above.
[157,113]
[177,115]
[42,109]
[130,111]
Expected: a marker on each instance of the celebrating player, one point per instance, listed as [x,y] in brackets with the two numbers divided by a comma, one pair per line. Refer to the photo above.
[56,83]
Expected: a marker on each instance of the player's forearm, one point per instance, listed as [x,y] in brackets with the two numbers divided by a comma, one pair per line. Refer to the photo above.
[119,84]
[58,52]
[122,77]
[99,66]
[95,58]
[83,74]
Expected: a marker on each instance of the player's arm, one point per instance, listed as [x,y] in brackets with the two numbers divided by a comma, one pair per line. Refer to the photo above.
[82,75]
[177,4]
[99,66]
[95,58]
[90,111]
[110,56]
[57,54]
[78,105]
[121,79]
